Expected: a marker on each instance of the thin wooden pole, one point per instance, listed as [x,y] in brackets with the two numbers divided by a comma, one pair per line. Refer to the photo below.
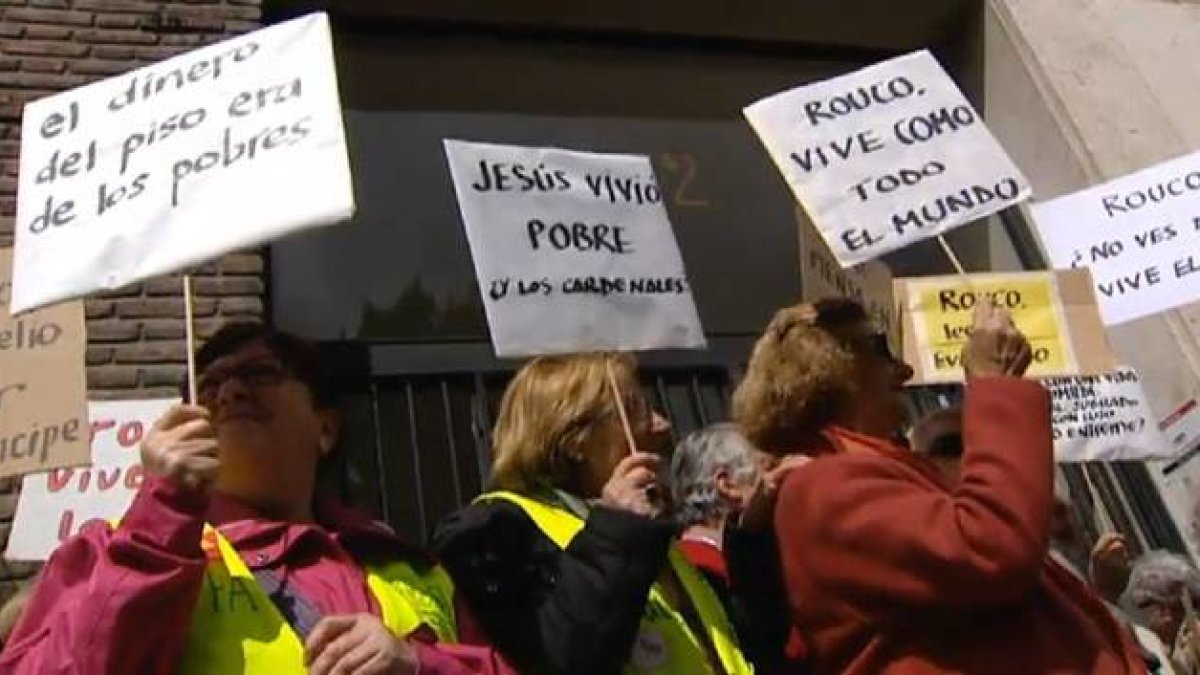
[190,333]
[620,401]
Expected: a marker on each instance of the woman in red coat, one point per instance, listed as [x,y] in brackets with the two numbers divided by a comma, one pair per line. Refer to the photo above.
[888,569]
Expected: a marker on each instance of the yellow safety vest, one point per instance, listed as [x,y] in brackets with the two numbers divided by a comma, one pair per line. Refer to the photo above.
[236,629]
[665,643]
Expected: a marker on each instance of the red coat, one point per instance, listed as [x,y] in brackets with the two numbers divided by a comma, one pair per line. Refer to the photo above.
[890,572]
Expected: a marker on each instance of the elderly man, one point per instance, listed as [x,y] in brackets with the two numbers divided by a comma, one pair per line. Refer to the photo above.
[714,473]
[228,561]
[717,479]
[1162,593]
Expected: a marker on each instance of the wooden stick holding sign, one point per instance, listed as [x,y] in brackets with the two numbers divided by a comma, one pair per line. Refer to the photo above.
[958,266]
[190,333]
[621,412]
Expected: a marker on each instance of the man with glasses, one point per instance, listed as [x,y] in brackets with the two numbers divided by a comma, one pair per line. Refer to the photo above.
[229,561]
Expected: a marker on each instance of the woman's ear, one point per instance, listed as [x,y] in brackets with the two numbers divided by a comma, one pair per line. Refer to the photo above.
[331,425]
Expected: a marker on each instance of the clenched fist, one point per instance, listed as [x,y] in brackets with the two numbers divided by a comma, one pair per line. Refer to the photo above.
[996,348]
[631,485]
[182,447]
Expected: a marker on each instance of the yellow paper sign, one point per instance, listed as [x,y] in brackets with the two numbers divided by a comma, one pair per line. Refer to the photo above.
[939,311]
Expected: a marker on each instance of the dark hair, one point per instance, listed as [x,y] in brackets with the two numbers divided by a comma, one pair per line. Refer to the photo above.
[299,356]
[947,445]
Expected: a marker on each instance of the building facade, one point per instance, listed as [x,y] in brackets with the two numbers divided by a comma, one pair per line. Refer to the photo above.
[392,296]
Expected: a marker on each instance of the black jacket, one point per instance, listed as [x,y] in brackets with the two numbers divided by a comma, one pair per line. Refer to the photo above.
[552,611]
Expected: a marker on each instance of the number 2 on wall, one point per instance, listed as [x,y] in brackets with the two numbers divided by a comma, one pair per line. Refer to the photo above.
[682,166]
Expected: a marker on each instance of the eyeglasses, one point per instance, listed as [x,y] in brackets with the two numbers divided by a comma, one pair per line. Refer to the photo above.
[874,343]
[253,374]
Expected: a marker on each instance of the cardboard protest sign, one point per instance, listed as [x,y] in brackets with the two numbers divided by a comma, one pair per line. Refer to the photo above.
[43,387]
[1105,418]
[870,283]
[1140,234]
[222,148]
[1055,310]
[56,504]
[886,156]
[573,250]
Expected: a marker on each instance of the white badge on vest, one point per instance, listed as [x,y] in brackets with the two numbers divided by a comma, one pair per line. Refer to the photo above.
[650,650]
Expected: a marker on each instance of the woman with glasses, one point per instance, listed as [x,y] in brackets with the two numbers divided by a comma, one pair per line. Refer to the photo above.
[567,565]
[888,567]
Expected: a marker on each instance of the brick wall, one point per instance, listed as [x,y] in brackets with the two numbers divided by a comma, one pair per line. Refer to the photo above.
[136,334]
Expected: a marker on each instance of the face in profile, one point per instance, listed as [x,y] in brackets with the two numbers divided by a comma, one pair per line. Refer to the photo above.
[880,377]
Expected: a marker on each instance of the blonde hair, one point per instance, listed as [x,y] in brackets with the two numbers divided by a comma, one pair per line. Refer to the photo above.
[549,411]
[801,375]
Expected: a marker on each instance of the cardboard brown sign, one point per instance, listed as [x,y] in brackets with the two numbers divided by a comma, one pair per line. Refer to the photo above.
[1056,310]
[822,276]
[43,385]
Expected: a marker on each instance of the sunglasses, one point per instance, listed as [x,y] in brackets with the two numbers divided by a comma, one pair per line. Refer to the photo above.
[253,374]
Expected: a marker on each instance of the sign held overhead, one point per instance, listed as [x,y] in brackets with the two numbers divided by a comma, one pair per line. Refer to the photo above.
[886,156]
[222,148]
[1055,310]
[573,250]
[1139,234]
[1105,418]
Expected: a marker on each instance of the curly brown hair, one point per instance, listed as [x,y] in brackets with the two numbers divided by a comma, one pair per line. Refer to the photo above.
[801,374]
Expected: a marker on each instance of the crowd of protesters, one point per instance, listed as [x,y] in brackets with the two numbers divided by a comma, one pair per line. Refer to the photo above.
[809,535]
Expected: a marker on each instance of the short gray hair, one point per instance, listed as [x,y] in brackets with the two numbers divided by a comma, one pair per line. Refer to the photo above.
[1159,577]
[694,467]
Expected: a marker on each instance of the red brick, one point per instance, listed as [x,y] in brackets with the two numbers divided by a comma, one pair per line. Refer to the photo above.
[10,149]
[152,352]
[8,63]
[184,39]
[159,376]
[235,26]
[139,308]
[241,307]
[43,32]
[11,30]
[42,48]
[41,80]
[98,356]
[116,37]
[119,20]
[162,329]
[112,330]
[112,377]
[96,308]
[242,263]
[117,5]
[155,54]
[112,52]
[36,65]
[55,17]
[98,67]
[225,286]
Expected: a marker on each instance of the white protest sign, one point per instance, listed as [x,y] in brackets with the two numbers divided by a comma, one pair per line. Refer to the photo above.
[886,156]
[573,250]
[56,504]
[821,276]
[223,148]
[1104,418]
[1140,234]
